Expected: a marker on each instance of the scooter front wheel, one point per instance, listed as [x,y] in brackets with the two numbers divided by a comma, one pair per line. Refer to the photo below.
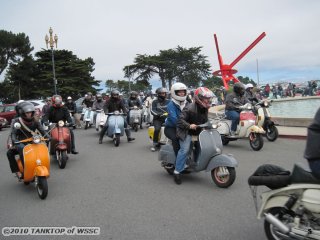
[256,141]
[116,140]
[62,158]
[223,177]
[42,187]
[87,125]
[272,133]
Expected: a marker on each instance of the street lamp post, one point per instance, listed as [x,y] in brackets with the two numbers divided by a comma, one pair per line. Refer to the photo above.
[129,80]
[51,41]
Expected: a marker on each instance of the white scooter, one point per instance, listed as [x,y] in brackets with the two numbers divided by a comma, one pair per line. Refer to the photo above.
[101,120]
[135,118]
[87,117]
[292,208]
[264,120]
[247,128]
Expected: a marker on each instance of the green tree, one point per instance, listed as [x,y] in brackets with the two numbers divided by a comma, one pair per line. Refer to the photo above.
[13,48]
[179,64]
[110,85]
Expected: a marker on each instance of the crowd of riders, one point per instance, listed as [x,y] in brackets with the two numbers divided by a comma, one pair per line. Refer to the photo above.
[179,110]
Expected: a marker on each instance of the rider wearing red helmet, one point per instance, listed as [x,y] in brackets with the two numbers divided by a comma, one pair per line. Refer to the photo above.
[194,114]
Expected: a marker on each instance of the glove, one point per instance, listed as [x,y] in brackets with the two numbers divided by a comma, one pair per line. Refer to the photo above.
[164,115]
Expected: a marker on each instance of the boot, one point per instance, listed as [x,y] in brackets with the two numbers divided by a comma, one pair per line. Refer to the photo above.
[177,178]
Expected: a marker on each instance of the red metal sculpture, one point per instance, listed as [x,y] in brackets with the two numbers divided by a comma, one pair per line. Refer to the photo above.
[226,70]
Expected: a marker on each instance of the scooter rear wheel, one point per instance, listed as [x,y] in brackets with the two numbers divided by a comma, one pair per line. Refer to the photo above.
[272,133]
[221,180]
[42,187]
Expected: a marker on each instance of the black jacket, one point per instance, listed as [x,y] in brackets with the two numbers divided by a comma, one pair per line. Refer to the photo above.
[192,114]
[134,102]
[231,105]
[22,133]
[312,151]
[114,105]
[57,114]
[158,108]
[87,102]
[71,106]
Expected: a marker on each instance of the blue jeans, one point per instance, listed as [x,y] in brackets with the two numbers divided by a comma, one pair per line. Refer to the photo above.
[183,153]
[234,116]
[315,168]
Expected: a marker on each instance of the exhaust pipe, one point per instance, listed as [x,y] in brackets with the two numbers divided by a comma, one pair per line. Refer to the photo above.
[277,223]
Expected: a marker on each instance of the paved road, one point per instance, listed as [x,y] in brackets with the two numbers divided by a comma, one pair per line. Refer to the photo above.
[126,193]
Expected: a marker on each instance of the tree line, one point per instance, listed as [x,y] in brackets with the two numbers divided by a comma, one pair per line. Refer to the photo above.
[31,77]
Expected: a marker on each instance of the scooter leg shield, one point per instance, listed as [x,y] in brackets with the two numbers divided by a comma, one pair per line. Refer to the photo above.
[166,154]
[41,171]
[222,160]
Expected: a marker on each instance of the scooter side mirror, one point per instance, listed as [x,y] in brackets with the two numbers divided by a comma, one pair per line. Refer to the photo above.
[17,125]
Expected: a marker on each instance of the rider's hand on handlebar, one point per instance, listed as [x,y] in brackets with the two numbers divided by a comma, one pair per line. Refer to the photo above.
[165,114]
[193,126]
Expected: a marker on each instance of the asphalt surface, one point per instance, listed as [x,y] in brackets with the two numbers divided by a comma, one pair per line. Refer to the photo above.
[124,191]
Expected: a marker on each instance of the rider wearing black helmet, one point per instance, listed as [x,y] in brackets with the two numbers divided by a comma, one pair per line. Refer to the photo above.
[115,104]
[233,101]
[28,126]
[159,112]
[134,101]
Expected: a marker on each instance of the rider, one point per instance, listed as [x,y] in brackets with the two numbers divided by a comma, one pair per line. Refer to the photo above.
[249,94]
[194,114]
[312,151]
[233,101]
[58,112]
[28,126]
[72,107]
[175,106]
[115,104]
[87,101]
[134,101]
[159,112]
[97,105]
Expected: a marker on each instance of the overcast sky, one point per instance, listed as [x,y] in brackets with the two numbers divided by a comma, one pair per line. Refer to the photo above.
[113,32]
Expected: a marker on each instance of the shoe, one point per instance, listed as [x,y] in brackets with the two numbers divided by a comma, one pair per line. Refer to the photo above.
[19,175]
[74,152]
[177,178]
[232,134]
[100,141]
[153,149]
[130,139]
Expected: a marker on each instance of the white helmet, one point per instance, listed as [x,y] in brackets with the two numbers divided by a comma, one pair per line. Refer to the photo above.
[249,85]
[69,98]
[178,87]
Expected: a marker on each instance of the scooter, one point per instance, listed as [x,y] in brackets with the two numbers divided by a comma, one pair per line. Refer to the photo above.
[88,117]
[60,144]
[115,126]
[247,128]
[205,155]
[36,166]
[135,118]
[264,120]
[291,210]
[100,120]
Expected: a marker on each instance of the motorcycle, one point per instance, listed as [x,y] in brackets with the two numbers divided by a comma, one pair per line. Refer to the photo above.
[206,154]
[60,144]
[100,120]
[115,126]
[87,117]
[135,118]
[264,120]
[291,209]
[247,128]
[36,166]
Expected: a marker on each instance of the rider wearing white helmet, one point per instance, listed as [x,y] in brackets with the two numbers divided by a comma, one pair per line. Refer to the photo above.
[178,102]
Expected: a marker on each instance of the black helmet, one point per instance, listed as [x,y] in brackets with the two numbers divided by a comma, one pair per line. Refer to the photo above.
[27,107]
[133,94]
[239,88]
[159,92]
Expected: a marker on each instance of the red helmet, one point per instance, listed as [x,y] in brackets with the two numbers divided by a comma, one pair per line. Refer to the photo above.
[57,101]
[203,97]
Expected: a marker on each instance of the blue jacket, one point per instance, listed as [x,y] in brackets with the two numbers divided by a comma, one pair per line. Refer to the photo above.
[173,114]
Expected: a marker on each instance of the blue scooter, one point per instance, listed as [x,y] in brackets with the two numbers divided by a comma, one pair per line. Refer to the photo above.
[115,126]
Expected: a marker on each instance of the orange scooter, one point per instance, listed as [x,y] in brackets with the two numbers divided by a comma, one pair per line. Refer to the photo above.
[36,163]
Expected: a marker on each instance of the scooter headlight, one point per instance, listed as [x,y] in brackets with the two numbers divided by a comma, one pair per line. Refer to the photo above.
[218,150]
[214,126]
[116,112]
[60,123]
[38,162]
[36,139]
[266,104]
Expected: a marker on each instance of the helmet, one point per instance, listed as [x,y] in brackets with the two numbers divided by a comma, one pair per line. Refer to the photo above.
[133,94]
[99,97]
[57,101]
[239,88]
[202,95]
[178,87]
[69,98]
[89,93]
[20,101]
[27,107]
[249,85]
[115,94]
[161,90]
